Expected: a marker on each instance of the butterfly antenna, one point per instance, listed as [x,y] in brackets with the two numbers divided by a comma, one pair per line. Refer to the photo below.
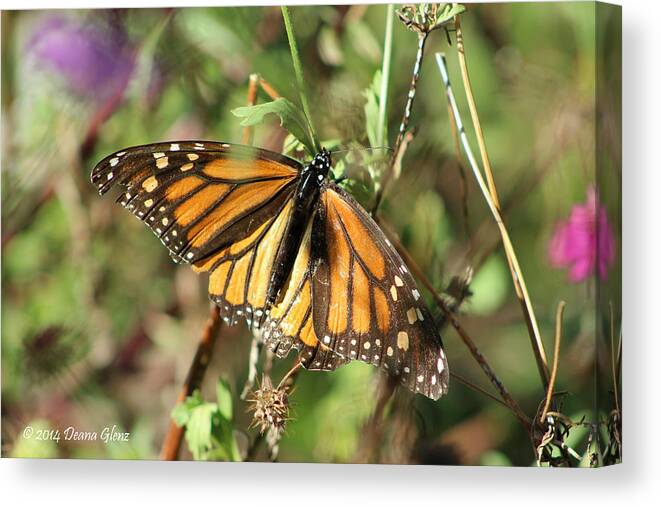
[387,148]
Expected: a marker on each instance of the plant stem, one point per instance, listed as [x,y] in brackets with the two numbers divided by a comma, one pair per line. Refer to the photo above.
[452,319]
[172,441]
[515,268]
[473,110]
[477,388]
[298,71]
[463,189]
[385,76]
[422,39]
[556,355]
[293,371]
[387,177]
[613,360]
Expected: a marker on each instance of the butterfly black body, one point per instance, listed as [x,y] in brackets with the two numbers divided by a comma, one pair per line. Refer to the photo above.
[287,251]
[313,177]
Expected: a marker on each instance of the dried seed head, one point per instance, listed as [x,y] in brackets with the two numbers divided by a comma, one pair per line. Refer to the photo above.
[424,18]
[270,407]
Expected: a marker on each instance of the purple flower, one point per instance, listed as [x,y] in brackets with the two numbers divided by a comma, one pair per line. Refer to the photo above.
[584,243]
[95,59]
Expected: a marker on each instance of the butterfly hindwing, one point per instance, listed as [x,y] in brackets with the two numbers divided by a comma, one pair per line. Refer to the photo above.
[239,275]
[366,304]
[198,196]
[288,324]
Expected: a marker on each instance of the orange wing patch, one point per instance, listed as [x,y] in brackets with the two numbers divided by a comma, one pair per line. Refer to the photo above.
[361,240]
[339,276]
[235,170]
[182,188]
[265,258]
[307,335]
[238,202]
[382,310]
[218,279]
[191,209]
[236,288]
[360,310]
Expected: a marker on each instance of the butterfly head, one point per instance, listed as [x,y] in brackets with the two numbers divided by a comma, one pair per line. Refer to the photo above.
[321,164]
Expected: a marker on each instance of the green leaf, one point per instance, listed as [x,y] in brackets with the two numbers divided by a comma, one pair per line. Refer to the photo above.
[291,117]
[224,436]
[182,412]
[198,430]
[224,397]
[292,145]
[209,429]
[448,12]
[371,95]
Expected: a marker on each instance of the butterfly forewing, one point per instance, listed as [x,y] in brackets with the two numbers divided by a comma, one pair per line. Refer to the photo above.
[366,304]
[199,196]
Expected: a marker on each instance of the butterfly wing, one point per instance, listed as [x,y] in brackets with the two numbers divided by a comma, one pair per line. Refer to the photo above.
[366,304]
[199,197]
[221,207]
[288,324]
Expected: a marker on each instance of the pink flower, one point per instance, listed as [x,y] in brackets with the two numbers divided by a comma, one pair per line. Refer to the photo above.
[93,56]
[584,243]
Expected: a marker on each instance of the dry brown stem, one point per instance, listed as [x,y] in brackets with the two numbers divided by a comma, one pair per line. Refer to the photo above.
[174,435]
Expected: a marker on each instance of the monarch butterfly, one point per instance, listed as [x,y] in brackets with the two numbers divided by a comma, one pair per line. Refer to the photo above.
[287,250]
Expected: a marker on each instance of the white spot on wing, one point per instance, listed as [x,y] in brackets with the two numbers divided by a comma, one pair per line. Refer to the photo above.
[403,340]
[411,315]
[393,292]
